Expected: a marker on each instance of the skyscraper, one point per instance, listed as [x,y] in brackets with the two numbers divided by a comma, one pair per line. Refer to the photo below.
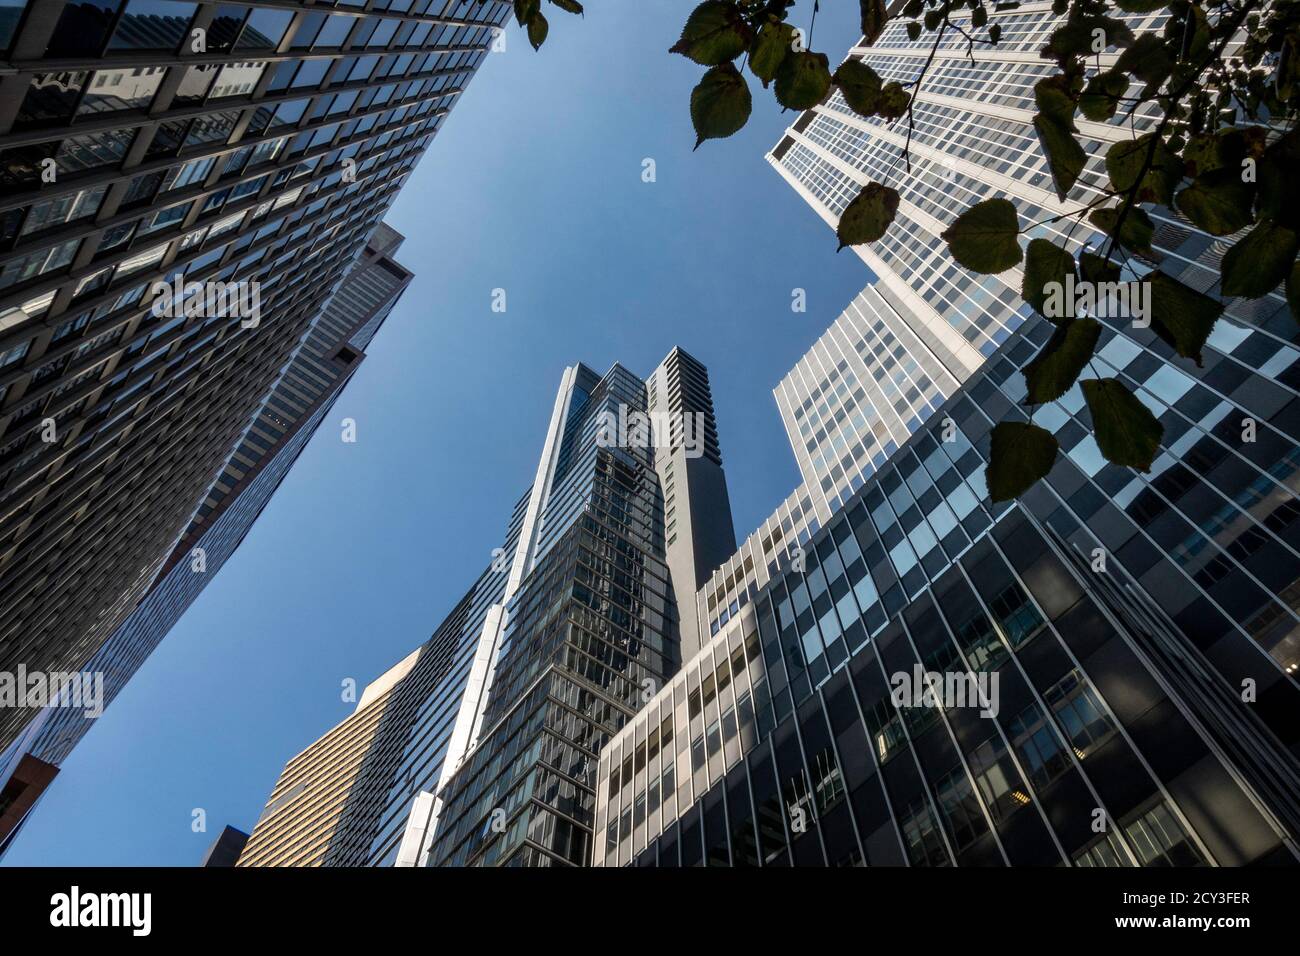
[303,396]
[1128,643]
[1141,630]
[927,323]
[489,754]
[185,184]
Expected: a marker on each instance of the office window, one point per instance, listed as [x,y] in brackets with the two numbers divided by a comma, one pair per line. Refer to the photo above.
[1077,707]
[154,26]
[1159,839]
[264,29]
[1039,748]
[82,29]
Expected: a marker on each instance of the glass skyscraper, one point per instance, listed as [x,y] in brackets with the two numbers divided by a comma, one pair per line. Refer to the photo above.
[1137,633]
[302,397]
[489,756]
[151,145]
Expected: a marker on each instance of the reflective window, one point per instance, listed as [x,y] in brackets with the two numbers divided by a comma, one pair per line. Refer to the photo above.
[195,84]
[156,26]
[237,79]
[51,97]
[264,29]
[132,88]
[224,28]
[1079,710]
[83,27]
[64,209]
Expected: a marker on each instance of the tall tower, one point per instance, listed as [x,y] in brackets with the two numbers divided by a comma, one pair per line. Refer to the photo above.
[576,621]
[305,393]
[697,512]
[1136,635]
[185,185]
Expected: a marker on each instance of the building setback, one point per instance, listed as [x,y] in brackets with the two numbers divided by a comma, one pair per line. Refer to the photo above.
[251,149]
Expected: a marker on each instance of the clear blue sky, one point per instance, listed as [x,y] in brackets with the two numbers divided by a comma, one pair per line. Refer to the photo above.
[534,186]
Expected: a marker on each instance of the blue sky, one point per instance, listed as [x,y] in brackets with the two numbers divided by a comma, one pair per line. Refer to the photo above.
[533,186]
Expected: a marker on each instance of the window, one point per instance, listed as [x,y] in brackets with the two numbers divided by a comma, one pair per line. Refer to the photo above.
[962,810]
[1019,618]
[1040,749]
[82,28]
[1079,710]
[156,26]
[133,88]
[1160,840]
[195,84]
[22,268]
[264,29]
[51,97]
[64,209]
[996,777]
[921,837]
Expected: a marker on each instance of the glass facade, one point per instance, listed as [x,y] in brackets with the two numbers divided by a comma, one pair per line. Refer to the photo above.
[289,417]
[486,750]
[1122,614]
[144,140]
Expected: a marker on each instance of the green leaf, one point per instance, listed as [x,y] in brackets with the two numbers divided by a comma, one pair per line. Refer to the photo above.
[979,16]
[894,101]
[569,6]
[1052,97]
[874,18]
[860,85]
[914,30]
[524,10]
[774,42]
[537,30]
[1182,316]
[1279,199]
[1126,159]
[1065,157]
[1020,453]
[720,104]
[1222,149]
[1126,431]
[1141,6]
[1135,234]
[1100,98]
[1260,261]
[1054,370]
[1095,268]
[803,80]
[1218,202]
[1045,262]
[714,34]
[983,239]
[995,33]
[868,216]
[1147,59]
